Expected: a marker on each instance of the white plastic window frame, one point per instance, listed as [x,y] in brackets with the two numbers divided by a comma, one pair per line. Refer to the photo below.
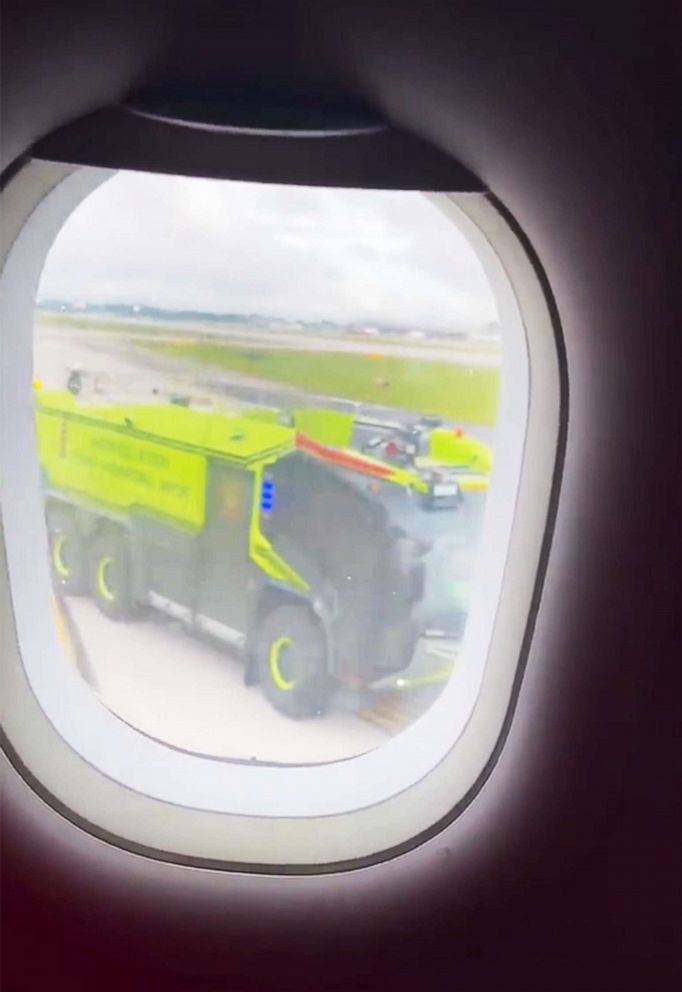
[150,798]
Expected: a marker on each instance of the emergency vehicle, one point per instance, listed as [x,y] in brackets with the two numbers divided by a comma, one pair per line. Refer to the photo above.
[310,559]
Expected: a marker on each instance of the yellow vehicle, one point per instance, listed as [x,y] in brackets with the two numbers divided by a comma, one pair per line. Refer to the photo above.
[310,559]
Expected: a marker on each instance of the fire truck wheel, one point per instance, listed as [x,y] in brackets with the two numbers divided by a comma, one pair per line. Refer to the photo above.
[67,556]
[110,575]
[291,653]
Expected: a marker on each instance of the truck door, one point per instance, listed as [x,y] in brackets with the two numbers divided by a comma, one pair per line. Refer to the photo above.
[165,563]
[334,535]
[224,566]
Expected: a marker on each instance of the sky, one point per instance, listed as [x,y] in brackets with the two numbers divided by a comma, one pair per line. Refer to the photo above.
[283,251]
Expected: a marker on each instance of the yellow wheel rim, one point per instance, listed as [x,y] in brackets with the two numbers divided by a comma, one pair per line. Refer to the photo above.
[103,587]
[278,678]
[60,566]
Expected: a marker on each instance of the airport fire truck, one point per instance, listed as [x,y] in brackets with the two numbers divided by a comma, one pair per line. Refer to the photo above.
[310,559]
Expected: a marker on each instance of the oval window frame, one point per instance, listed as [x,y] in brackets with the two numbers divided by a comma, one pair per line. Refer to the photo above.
[36,202]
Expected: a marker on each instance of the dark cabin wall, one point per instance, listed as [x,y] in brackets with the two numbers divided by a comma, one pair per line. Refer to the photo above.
[563,874]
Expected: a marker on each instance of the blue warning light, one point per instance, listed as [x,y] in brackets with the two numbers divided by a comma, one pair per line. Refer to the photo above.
[267,495]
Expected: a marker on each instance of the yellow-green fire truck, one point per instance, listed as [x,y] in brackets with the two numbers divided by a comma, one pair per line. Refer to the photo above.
[311,559]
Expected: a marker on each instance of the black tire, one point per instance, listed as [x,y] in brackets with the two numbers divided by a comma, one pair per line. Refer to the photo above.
[298,684]
[68,558]
[110,574]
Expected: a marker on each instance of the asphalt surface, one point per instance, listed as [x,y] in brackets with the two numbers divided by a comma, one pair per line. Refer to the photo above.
[190,693]
[170,685]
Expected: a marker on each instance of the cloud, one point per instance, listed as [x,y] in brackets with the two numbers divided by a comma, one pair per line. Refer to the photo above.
[295,252]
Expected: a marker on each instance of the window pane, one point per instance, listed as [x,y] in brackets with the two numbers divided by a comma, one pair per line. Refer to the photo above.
[265,423]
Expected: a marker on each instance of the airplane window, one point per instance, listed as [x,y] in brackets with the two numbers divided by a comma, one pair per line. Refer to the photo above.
[278,494]
[265,421]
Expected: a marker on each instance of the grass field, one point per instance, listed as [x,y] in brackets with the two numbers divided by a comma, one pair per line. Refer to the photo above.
[454,392]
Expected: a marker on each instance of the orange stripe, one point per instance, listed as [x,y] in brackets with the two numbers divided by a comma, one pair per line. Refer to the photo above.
[342,458]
